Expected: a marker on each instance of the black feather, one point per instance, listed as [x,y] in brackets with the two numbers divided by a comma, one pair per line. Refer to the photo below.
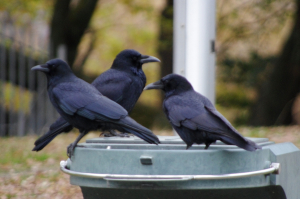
[122,83]
[84,107]
[194,117]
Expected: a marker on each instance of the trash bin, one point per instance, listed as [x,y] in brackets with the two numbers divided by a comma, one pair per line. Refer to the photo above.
[131,168]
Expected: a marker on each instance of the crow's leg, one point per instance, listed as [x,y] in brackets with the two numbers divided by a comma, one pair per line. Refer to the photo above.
[207,144]
[71,147]
[112,133]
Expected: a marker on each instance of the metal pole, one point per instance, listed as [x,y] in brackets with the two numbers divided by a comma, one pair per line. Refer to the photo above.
[194,38]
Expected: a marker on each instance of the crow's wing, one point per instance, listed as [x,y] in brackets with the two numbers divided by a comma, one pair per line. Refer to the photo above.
[113,84]
[87,102]
[197,116]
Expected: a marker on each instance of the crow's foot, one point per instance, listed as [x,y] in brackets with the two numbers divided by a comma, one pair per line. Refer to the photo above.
[113,133]
[70,150]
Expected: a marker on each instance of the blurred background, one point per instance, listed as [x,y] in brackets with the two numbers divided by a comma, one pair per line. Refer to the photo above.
[257,71]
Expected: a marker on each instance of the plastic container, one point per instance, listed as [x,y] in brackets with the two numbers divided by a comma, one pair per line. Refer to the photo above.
[131,168]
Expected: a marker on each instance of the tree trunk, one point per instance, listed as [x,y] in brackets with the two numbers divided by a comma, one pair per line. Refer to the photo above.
[165,47]
[276,96]
[69,22]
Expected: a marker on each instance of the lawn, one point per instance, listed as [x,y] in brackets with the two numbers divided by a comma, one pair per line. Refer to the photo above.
[28,174]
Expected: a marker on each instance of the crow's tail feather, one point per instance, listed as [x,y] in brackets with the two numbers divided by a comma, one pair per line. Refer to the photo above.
[56,128]
[242,143]
[131,126]
[148,138]
[42,142]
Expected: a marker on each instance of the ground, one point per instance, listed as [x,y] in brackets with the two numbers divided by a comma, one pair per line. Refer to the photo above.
[28,174]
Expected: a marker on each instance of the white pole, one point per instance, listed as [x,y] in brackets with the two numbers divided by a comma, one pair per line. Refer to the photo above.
[179,39]
[194,37]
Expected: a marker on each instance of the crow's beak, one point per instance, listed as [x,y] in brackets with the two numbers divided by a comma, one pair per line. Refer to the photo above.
[155,85]
[146,59]
[43,68]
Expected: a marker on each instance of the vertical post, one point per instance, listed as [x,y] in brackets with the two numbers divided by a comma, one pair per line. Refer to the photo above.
[3,63]
[21,76]
[12,130]
[194,38]
[31,85]
[62,52]
[179,39]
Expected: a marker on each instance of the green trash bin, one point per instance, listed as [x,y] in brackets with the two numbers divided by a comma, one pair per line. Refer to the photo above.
[131,168]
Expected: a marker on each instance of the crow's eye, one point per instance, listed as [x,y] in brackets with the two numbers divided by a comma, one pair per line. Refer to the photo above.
[134,58]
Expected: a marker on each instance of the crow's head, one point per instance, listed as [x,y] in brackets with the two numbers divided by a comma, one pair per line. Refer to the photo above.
[54,67]
[132,59]
[170,84]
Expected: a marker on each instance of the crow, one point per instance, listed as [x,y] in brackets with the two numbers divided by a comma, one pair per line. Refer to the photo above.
[84,107]
[123,83]
[194,117]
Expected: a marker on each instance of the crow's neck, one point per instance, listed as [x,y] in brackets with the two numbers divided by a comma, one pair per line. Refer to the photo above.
[140,73]
[137,71]
[178,91]
[56,79]
[169,93]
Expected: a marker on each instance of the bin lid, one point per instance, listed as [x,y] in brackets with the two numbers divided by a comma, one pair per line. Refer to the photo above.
[165,140]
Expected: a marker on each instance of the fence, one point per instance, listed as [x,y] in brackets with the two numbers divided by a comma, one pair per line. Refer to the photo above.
[24,104]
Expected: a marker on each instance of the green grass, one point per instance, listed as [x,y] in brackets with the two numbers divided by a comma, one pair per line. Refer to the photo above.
[28,174]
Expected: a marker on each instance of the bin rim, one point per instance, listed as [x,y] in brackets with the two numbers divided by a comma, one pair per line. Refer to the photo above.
[274,168]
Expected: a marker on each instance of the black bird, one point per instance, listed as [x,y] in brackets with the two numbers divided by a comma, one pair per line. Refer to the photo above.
[123,83]
[84,107]
[194,117]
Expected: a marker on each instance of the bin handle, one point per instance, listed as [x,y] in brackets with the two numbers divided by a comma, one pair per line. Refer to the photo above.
[273,169]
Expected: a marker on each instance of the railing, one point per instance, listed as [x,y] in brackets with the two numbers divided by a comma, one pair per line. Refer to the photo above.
[24,105]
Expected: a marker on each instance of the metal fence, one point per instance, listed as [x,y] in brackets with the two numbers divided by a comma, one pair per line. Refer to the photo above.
[24,104]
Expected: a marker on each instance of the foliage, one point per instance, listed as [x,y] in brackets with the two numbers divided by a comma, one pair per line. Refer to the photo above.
[15,98]
[150,117]
[275,102]
[233,95]
[132,25]
[252,26]
[249,37]
[249,73]
[20,11]
[115,25]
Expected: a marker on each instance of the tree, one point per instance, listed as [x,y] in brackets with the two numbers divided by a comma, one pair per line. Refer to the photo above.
[165,47]
[69,23]
[276,96]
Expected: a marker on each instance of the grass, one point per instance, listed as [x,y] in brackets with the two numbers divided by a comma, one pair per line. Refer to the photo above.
[28,174]
[276,134]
